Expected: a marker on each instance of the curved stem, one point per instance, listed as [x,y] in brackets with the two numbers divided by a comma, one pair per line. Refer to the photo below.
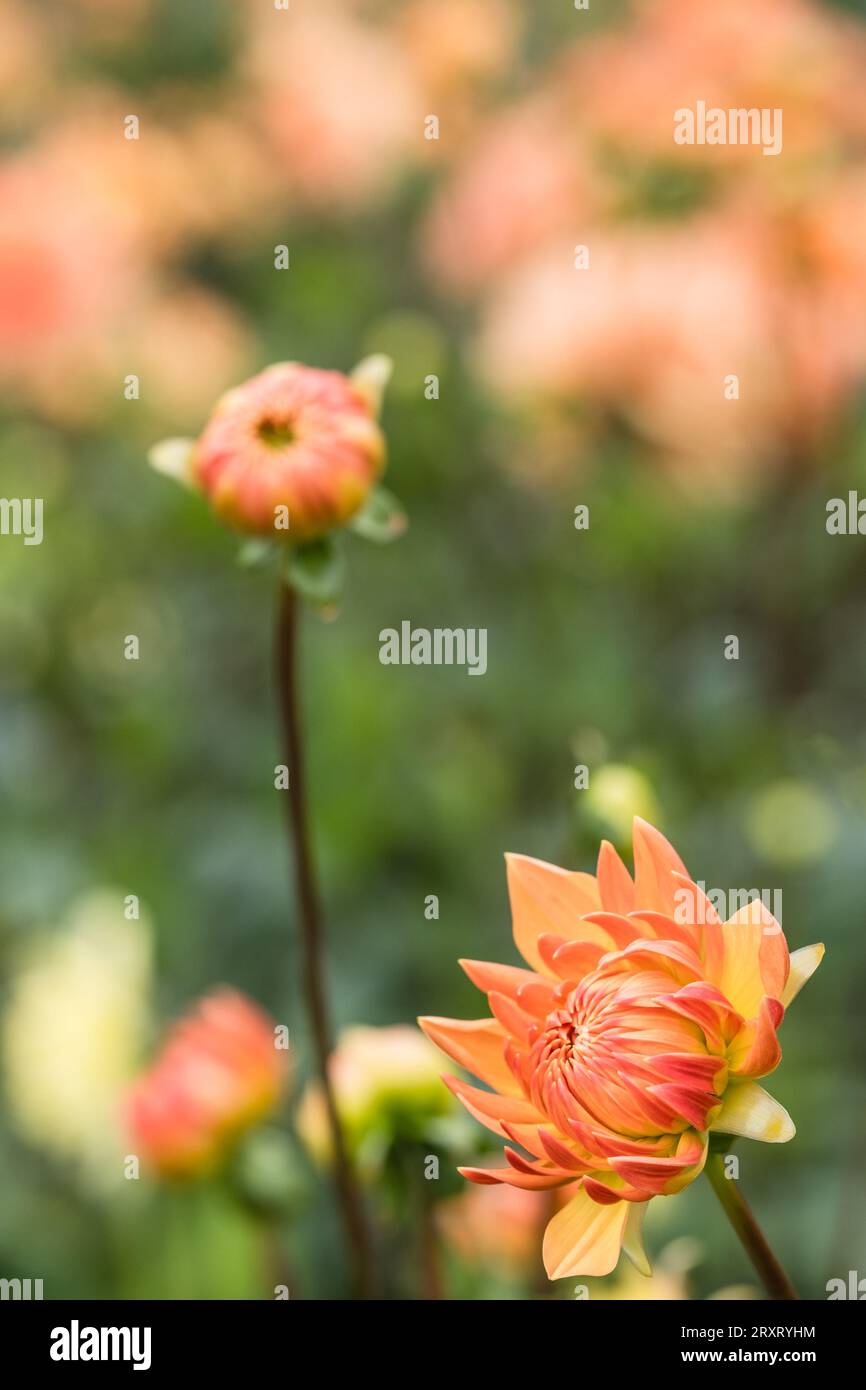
[739,1213]
[312,930]
[428,1255]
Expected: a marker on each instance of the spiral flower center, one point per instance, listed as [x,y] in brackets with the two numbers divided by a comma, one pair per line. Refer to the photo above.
[595,1051]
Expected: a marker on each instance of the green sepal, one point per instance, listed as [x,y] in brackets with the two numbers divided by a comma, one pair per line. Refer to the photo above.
[317,570]
[381,518]
[254,554]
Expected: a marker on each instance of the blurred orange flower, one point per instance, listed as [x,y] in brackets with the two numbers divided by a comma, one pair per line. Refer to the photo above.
[66,278]
[217,1074]
[640,1028]
[336,102]
[721,303]
[497,1226]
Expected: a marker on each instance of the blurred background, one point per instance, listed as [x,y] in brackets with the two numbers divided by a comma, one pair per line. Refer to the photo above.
[154,258]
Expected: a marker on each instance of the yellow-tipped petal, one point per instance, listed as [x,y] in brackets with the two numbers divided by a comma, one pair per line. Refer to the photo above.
[370,377]
[173,457]
[632,1239]
[749,1110]
[804,963]
[741,980]
[584,1238]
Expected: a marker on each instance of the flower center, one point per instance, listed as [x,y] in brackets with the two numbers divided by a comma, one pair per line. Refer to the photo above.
[594,1054]
[277,434]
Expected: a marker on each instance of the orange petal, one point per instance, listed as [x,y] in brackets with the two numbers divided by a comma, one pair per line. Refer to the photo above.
[532,992]
[476,1044]
[584,1238]
[559,1154]
[538,998]
[487,975]
[530,1182]
[621,930]
[690,1069]
[614,881]
[606,1195]
[680,961]
[667,929]
[697,913]
[695,1106]
[665,1175]
[755,1051]
[574,959]
[655,860]
[516,1023]
[545,898]
[492,1109]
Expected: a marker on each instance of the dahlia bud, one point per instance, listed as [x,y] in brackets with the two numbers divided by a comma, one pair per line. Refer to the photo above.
[291,454]
[218,1074]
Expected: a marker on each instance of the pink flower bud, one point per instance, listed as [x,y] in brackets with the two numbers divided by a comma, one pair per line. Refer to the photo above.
[293,452]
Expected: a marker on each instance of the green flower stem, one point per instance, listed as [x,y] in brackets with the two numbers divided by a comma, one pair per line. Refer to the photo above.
[739,1213]
[312,931]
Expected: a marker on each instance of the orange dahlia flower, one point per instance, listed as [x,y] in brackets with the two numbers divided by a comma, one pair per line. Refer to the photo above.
[290,454]
[641,1027]
[218,1073]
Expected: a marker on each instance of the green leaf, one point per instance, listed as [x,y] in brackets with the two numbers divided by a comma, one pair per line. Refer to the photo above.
[381,519]
[317,570]
[255,553]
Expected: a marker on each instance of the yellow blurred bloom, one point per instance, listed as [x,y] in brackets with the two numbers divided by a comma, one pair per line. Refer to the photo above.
[72,1032]
[616,794]
[386,1086]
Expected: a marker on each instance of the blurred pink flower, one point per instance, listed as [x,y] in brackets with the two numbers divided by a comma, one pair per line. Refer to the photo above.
[337,102]
[189,346]
[183,178]
[218,1073]
[795,54]
[521,184]
[89,223]
[498,1227]
[66,279]
[651,329]
[456,50]
[706,263]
